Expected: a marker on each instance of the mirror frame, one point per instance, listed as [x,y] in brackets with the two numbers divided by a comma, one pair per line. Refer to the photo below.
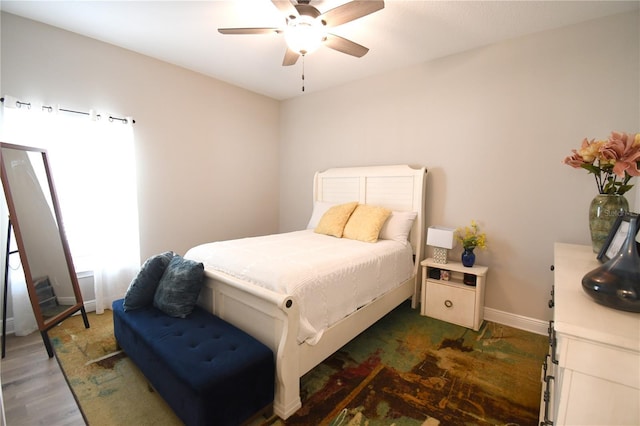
[44,324]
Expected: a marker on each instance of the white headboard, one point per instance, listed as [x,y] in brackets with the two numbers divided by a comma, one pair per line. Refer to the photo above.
[400,188]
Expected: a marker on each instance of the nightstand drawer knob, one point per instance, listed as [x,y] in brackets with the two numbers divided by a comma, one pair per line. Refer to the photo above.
[448,303]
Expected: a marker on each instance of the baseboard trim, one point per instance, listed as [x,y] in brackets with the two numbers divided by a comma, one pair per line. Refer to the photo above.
[90,305]
[10,329]
[517,321]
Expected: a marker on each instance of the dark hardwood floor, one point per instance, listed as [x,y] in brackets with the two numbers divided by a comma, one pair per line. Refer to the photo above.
[34,389]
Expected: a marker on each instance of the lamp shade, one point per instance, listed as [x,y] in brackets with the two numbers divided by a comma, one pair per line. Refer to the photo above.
[439,236]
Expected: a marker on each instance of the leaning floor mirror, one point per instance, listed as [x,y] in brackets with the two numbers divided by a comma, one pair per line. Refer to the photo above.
[35,217]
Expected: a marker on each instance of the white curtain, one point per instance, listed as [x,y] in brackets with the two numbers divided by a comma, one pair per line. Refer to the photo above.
[24,321]
[93,167]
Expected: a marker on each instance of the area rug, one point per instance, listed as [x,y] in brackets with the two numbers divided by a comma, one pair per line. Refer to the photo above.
[108,387]
[405,370]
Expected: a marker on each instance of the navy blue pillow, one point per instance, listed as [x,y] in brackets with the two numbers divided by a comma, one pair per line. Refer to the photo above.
[143,287]
[179,287]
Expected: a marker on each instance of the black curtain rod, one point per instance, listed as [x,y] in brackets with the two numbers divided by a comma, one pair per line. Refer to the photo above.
[20,104]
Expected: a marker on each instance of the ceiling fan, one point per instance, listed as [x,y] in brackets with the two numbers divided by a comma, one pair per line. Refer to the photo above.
[306,27]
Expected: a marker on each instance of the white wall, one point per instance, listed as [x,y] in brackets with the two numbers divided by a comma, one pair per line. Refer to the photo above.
[492,125]
[207,151]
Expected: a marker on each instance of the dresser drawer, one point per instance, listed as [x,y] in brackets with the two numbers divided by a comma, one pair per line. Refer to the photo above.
[450,302]
[602,361]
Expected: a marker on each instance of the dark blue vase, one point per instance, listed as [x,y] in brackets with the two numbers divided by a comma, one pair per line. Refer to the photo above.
[616,284]
[468,257]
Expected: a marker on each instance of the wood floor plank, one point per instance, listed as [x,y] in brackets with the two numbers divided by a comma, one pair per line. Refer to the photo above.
[34,389]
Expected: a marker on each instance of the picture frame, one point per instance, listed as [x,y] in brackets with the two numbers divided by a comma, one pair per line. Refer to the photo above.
[617,236]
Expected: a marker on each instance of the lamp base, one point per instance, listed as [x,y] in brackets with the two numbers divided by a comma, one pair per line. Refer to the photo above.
[440,255]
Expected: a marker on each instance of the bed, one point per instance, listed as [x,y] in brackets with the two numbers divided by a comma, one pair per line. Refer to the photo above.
[284,316]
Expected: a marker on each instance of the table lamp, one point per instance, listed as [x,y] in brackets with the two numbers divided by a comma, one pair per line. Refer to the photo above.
[441,239]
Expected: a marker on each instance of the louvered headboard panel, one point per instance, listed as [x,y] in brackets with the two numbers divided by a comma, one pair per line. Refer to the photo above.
[400,188]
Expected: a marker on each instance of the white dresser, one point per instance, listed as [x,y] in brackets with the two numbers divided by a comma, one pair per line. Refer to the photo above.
[592,375]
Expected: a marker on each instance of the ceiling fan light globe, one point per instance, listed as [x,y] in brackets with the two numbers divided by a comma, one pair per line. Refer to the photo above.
[304,35]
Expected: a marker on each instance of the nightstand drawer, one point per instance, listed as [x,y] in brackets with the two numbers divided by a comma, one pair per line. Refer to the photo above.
[450,303]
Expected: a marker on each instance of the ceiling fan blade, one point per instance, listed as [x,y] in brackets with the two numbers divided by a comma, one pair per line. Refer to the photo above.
[345,46]
[290,58]
[249,30]
[350,11]
[286,7]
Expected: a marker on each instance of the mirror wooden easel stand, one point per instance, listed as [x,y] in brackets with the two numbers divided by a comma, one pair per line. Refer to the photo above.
[34,215]
[8,254]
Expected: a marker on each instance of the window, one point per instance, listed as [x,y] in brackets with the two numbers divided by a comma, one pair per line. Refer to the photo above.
[93,169]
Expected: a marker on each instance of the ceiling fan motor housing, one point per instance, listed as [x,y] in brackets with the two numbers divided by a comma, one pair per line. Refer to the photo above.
[307,10]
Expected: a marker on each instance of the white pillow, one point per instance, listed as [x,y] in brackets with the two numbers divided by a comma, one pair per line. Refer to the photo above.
[319,209]
[398,226]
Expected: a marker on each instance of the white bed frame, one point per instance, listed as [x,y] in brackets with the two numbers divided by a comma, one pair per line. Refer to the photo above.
[273,318]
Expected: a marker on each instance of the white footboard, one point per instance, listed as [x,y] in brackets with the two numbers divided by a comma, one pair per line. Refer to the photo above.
[342,332]
[269,317]
[273,319]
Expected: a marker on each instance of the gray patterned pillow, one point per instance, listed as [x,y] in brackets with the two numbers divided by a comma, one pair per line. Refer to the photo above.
[179,287]
[143,287]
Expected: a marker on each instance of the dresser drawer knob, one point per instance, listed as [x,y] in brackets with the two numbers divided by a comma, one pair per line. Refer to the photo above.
[448,303]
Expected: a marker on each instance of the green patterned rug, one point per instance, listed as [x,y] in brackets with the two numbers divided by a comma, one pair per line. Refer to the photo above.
[405,370]
[109,388]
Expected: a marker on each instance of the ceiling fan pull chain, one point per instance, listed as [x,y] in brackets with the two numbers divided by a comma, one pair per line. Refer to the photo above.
[303,72]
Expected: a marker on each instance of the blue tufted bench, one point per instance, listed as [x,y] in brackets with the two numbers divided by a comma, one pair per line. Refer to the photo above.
[207,370]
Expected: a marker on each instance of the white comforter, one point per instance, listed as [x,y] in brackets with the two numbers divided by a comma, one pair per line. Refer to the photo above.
[329,277]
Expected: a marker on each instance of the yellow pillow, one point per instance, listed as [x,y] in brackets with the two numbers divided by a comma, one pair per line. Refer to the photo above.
[333,220]
[365,223]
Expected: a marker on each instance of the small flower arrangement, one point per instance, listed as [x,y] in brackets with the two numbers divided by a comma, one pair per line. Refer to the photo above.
[470,236]
[613,162]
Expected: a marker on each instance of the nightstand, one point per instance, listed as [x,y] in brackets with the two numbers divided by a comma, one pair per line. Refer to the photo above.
[445,295]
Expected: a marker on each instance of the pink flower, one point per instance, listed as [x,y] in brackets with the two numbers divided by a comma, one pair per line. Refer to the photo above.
[575,160]
[590,151]
[609,160]
[624,154]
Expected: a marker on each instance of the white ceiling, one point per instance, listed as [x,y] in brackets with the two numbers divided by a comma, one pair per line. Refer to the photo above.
[402,34]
